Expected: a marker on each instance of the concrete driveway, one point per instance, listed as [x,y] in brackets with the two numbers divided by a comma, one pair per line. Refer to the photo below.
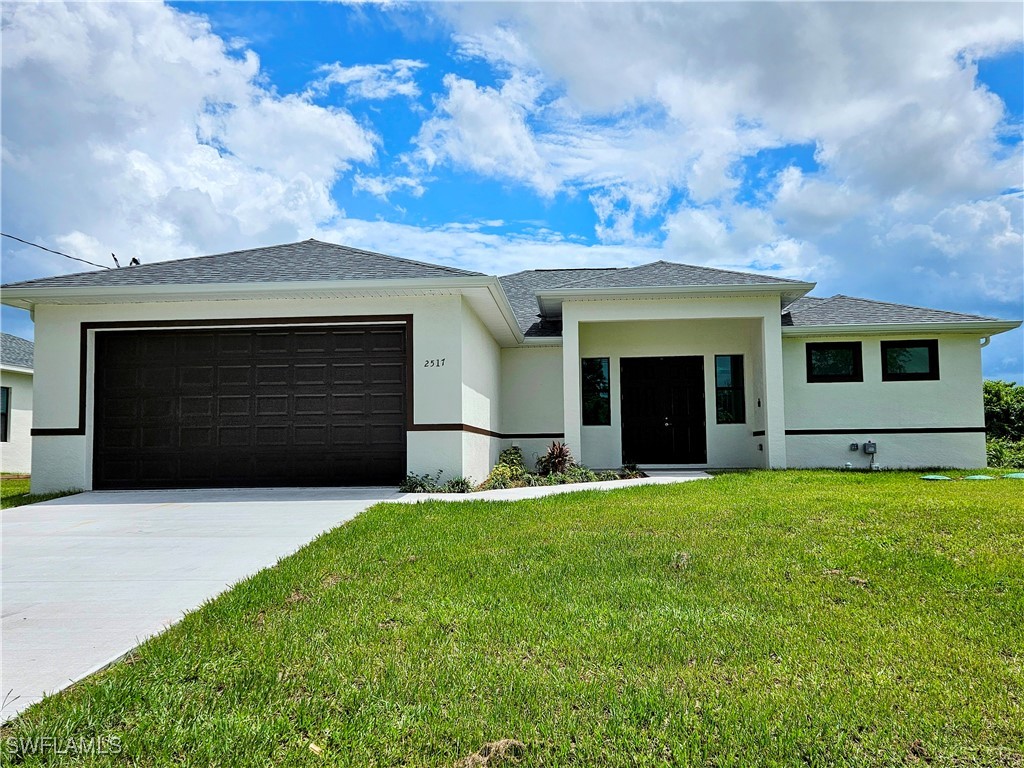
[86,578]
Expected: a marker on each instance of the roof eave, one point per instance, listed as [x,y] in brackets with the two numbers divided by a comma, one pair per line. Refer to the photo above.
[15,368]
[979,327]
[28,296]
[549,299]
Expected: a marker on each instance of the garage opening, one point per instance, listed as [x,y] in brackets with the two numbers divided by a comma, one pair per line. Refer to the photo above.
[256,407]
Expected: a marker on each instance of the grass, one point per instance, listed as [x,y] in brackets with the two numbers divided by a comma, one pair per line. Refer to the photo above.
[814,618]
[15,492]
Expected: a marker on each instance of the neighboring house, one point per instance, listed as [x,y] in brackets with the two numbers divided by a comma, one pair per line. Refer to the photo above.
[15,404]
[318,364]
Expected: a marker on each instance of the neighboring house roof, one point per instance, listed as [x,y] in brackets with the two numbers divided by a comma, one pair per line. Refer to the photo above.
[306,260]
[848,310]
[16,351]
[521,289]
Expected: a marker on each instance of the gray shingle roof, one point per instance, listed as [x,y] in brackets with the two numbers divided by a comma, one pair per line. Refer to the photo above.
[306,260]
[16,351]
[849,310]
[661,274]
[521,287]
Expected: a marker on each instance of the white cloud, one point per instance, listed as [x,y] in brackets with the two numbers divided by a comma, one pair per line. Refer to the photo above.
[372,81]
[740,237]
[382,186]
[812,205]
[485,129]
[136,124]
[887,92]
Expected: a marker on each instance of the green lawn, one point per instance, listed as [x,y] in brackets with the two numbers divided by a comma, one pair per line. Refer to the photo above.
[790,618]
[14,492]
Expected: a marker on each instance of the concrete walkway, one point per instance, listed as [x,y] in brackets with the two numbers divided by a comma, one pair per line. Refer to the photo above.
[88,577]
[655,477]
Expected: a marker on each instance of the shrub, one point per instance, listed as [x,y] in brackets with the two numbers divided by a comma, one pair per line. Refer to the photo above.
[580,474]
[513,458]
[457,485]
[531,480]
[1004,410]
[630,471]
[426,483]
[502,476]
[1005,453]
[556,459]
[608,474]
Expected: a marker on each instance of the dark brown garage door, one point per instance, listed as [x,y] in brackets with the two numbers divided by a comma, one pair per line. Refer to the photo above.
[256,407]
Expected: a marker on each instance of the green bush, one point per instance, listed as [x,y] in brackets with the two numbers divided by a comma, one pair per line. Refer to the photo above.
[502,476]
[608,474]
[1004,411]
[1005,453]
[457,485]
[426,483]
[513,458]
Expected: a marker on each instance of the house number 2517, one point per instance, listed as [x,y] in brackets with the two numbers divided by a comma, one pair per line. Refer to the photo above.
[437,362]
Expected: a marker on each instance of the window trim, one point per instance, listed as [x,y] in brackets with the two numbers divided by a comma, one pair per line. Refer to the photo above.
[932,374]
[741,389]
[5,415]
[608,393]
[858,362]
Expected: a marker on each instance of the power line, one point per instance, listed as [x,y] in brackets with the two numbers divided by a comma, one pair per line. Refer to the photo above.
[50,250]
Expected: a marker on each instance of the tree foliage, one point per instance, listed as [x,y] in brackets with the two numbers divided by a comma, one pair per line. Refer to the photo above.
[1004,410]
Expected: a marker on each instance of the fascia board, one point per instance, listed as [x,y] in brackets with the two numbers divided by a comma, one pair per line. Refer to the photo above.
[553,297]
[980,327]
[16,369]
[27,296]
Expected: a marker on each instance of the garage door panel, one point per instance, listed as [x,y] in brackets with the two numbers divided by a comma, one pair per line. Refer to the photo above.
[261,407]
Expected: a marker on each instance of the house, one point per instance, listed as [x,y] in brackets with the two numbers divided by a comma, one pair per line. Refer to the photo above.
[15,404]
[319,364]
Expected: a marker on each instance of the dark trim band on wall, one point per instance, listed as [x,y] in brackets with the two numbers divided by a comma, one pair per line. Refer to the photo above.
[887,431]
[892,431]
[485,432]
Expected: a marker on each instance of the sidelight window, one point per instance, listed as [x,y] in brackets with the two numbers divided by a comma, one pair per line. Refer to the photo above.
[597,409]
[730,402]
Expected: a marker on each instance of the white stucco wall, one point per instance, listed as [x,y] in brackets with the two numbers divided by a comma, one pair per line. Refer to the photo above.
[16,453]
[531,398]
[954,400]
[66,461]
[729,445]
[481,395]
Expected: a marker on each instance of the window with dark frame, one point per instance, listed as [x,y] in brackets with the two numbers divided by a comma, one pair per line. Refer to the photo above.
[910,360]
[730,400]
[5,414]
[597,409]
[832,361]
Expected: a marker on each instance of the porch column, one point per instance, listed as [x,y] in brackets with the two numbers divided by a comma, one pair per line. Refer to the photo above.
[774,394]
[571,407]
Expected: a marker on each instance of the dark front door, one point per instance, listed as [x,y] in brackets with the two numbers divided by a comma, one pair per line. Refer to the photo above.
[256,407]
[663,420]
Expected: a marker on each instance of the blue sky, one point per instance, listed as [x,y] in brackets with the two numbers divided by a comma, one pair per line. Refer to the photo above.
[875,149]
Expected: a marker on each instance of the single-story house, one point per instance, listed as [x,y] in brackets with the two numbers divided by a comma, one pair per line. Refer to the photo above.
[15,404]
[319,364]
